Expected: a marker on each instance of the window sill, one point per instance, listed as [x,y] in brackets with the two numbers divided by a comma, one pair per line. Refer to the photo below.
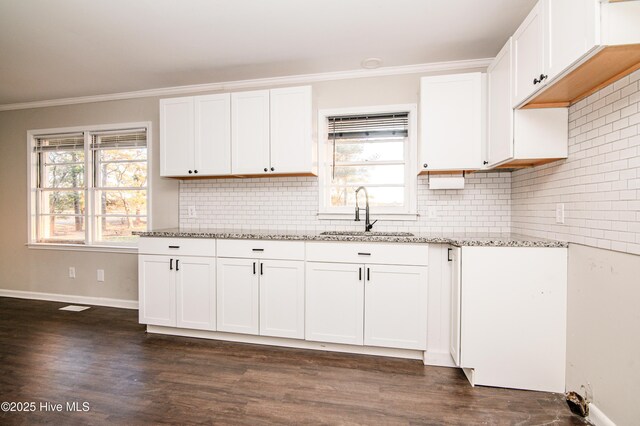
[81,247]
[374,216]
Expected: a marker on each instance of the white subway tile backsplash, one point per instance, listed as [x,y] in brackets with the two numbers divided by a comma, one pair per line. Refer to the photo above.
[602,206]
[291,203]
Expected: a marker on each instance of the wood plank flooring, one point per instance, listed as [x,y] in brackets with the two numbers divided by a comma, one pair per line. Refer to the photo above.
[104,357]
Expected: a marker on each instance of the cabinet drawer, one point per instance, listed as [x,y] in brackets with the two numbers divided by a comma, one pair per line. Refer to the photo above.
[261,249]
[178,246]
[382,253]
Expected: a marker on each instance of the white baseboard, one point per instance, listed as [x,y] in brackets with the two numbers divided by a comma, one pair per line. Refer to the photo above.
[598,418]
[68,298]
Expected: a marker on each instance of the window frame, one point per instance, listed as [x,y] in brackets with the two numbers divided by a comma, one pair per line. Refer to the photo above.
[406,212]
[89,190]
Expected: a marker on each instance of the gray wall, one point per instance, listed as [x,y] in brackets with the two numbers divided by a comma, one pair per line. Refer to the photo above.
[46,271]
[603,323]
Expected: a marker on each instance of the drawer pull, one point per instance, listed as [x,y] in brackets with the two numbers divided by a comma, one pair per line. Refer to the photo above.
[176,247]
[257,249]
[364,254]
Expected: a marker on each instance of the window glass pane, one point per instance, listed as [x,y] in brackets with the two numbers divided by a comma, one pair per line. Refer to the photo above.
[68,202]
[60,228]
[369,175]
[119,228]
[53,157]
[113,175]
[122,202]
[366,150]
[378,196]
[123,154]
[64,176]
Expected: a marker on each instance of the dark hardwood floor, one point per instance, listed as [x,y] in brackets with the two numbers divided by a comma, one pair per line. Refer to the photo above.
[104,357]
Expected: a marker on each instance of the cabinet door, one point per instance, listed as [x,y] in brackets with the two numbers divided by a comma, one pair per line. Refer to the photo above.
[500,111]
[250,132]
[334,303]
[571,30]
[445,102]
[213,134]
[282,298]
[395,306]
[176,136]
[237,295]
[291,148]
[157,290]
[196,292]
[528,49]
[456,287]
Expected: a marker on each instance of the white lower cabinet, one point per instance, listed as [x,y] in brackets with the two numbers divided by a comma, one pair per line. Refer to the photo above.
[261,296]
[395,306]
[282,299]
[512,323]
[177,291]
[237,299]
[374,305]
[335,303]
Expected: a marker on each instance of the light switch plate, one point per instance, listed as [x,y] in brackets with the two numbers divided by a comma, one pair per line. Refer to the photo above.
[191,212]
[101,275]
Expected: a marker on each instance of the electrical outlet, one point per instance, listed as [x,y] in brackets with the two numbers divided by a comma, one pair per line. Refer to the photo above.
[432,213]
[191,212]
[72,272]
[560,213]
[101,275]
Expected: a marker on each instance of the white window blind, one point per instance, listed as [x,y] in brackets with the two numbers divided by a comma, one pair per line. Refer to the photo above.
[371,151]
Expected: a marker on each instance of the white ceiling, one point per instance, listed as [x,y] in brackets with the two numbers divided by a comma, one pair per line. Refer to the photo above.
[69,48]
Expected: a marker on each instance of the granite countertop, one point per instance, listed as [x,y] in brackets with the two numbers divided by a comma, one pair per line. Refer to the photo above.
[460,240]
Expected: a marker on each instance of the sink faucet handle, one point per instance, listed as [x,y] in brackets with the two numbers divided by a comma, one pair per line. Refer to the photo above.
[369,226]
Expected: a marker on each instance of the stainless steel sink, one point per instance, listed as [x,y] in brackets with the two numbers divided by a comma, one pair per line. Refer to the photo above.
[367,234]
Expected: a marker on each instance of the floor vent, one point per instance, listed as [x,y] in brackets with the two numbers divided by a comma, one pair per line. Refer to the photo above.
[74,308]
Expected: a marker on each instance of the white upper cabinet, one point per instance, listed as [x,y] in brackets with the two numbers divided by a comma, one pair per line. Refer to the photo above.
[212,134]
[528,54]
[572,30]
[250,132]
[566,49]
[500,113]
[452,122]
[258,132]
[291,148]
[195,136]
[522,137]
[176,136]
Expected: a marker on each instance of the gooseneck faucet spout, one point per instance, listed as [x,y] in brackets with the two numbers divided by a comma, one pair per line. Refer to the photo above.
[367,223]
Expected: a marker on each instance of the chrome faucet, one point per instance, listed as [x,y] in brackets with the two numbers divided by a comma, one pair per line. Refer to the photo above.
[367,223]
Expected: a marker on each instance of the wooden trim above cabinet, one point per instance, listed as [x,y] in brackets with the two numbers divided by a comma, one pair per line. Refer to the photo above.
[525,163]
[608,65]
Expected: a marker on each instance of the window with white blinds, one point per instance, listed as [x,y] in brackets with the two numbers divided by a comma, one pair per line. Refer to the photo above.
[89,187]
[371,150]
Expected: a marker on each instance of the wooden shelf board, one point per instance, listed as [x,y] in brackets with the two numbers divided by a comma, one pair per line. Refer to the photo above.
[608,65]
[529,162]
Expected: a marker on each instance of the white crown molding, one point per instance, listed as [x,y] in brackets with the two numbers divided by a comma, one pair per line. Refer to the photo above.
[260,82]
